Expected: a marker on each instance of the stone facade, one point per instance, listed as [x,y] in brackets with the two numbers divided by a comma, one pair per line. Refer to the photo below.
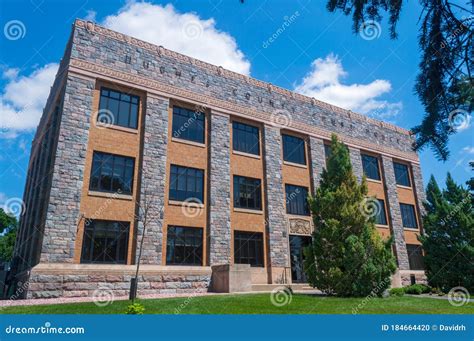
[318,159]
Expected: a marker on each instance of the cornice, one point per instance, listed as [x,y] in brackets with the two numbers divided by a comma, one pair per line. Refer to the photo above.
[163,89]
[219,70]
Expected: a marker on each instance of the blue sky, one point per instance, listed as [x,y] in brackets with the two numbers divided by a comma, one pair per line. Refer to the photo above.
[293,44]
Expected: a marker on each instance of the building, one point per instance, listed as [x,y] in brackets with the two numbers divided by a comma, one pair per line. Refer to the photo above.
[220,162]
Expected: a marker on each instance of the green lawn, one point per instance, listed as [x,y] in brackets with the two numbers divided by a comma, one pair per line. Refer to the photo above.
[259,304]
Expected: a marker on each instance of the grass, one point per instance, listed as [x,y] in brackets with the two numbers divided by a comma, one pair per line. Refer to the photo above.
[259,304]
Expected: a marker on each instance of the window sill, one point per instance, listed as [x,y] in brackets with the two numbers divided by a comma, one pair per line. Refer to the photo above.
[185,203]
[411,229]
[236,152]
[298,216]
[295,164]
[110,195]
[382,226]
[191,143]
[115,127]
[374,181]
[404,187]
[245,210]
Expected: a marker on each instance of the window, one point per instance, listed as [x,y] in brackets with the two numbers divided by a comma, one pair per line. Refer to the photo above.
[415,257]
[245,138]
[381,217]
[293,149]
[184,246]
[327,151]
[112,173]
[408,216]
[247,193]
[248,248]
[186,183]
[188,124]
[122,107]
[370,164]
[401,174]
[296,200]
[105,242]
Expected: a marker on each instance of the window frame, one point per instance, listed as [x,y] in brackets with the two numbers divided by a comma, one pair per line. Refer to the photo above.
[415,264]
[257,185]
[305,209]
[134,101]
[112,169]
[403,216]
[381,203]
[91,224]
[253,238]
[241,146]
[197,233]
[365,156]
[292,140]
[408,176]
[178,111]
[174,184]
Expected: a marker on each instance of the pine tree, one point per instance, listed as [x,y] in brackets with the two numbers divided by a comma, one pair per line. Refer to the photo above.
[347,256]
[448,241]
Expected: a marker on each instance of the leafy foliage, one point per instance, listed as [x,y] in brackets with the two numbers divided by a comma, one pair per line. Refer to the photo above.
[347,256]
[448,241]
[135,309]
[7,221]
[8,229]
[444,83]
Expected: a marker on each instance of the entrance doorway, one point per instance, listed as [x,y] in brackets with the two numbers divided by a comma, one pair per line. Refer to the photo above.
[297,244]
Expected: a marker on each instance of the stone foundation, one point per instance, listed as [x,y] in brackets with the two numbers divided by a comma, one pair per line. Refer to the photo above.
[84,280]
[402,278]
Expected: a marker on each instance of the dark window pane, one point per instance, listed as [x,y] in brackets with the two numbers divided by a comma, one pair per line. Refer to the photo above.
[248,248]
[408,216]
[293,149]
[245,138]
[186,183]
[296,200]
[112,173]
[381,217]
[415,257]
[184,246]
[247,193]
[105,242]
[188,124]
[124,113]
[370,165]
[402,176]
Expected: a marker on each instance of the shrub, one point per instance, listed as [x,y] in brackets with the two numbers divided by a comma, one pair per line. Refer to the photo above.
[416,289]
[135,309]
[397,292]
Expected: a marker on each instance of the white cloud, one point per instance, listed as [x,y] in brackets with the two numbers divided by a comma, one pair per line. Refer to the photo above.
[323,82]
[3,198]
[23,99]
[186,33]
[468,150]
[90,15]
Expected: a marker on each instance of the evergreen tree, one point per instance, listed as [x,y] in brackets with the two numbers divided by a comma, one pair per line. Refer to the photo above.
[347,256]
[448,241]
[8,229]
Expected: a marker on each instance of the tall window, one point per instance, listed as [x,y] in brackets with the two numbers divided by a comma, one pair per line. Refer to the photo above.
[296,200]
[408,216]
[327,151]
[188,124]
[415,257]
[105,242]
[293,149]
[122,107]
[184,246]
[112,173]
[381,217]
[401,174]
[248,248]
[370,164]
[186,183]
[245,138]
[247,193]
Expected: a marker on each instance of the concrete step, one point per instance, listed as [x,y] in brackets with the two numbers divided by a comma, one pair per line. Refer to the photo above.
[270,287]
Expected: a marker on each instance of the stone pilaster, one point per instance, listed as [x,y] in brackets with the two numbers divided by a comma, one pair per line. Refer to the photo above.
[277,229]
[394,212]
[153,175]
[418,188]
[356,161]
[219,175]
[63,213]
[318,159]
